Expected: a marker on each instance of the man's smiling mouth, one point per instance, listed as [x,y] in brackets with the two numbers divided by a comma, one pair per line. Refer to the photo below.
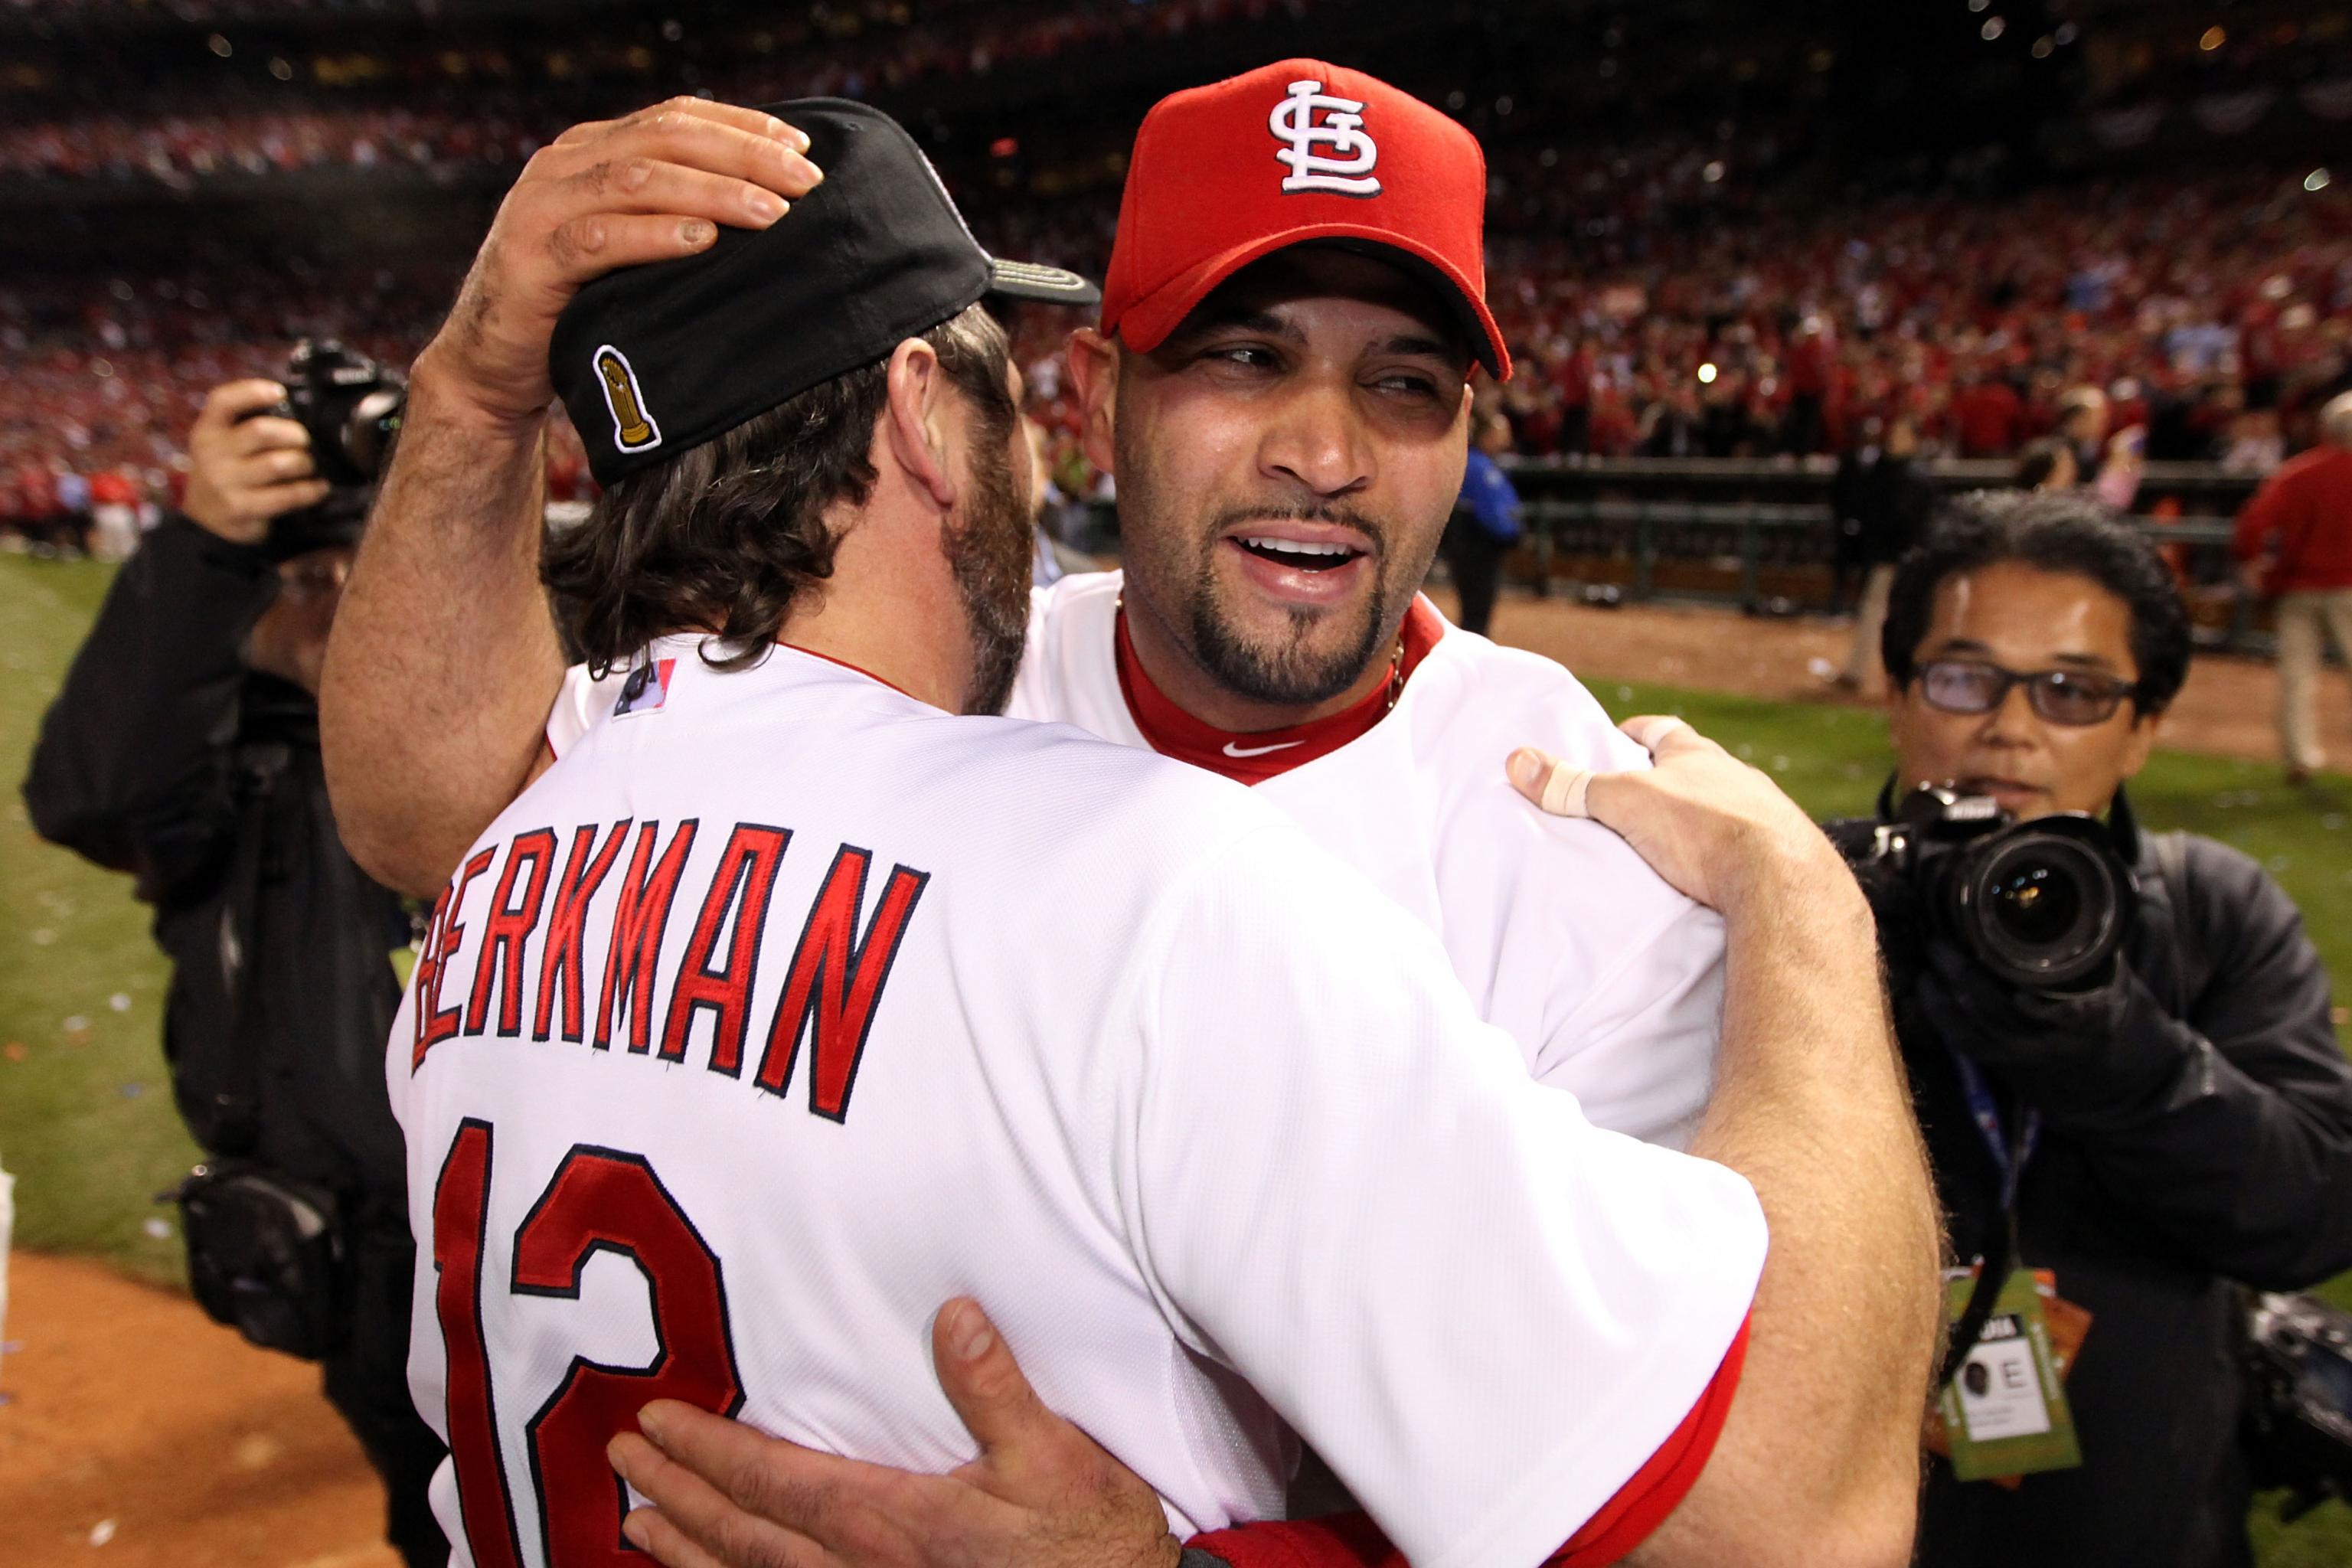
[1298,553]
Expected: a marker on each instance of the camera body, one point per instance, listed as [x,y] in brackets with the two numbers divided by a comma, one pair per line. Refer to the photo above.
[351,406]
[2043,905]
[2298,1357]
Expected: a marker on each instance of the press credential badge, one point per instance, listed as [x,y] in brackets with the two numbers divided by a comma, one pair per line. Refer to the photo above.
[2005,1411]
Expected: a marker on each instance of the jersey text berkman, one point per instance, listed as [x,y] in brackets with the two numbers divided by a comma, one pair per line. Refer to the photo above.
[829,994]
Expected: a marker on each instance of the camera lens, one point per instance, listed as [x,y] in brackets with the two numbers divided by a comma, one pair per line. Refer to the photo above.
[2043,909]
[2035,902]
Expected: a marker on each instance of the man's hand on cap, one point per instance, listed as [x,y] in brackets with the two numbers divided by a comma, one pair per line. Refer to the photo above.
[651,186]
[245,466]
[1720,831]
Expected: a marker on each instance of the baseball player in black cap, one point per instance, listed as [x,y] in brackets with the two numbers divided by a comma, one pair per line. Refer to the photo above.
[719,464]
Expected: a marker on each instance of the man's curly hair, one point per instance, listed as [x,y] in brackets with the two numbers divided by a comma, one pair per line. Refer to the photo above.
[725,538]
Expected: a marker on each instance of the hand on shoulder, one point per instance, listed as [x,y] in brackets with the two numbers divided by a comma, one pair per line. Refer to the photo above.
[1719,830]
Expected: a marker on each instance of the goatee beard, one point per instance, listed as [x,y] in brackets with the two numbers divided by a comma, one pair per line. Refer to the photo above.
[1287,676]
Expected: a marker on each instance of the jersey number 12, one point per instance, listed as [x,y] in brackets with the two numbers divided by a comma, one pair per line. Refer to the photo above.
[599,1200]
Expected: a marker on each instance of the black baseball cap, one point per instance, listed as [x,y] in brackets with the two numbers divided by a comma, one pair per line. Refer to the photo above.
[652,361]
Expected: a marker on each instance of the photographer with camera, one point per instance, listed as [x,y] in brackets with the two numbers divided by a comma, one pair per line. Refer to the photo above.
[2119,1049]
[183,749]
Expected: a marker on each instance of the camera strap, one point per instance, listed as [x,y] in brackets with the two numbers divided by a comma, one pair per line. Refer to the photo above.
[2010,1149]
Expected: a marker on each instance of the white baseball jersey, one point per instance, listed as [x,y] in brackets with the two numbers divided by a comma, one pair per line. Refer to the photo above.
[1610,980]
[785,1008]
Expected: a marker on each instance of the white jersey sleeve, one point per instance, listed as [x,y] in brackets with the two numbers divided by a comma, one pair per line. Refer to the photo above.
[1485,1313]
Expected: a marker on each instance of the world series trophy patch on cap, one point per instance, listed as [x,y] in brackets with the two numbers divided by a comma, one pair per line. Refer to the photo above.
[1346,169]
[634,429]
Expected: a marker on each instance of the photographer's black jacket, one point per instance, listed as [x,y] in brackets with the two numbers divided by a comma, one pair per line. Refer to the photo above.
[166,757]
[2209,1141]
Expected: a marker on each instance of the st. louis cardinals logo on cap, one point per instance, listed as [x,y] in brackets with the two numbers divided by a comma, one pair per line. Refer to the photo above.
[1346,167]
[1354,161]
[634,429]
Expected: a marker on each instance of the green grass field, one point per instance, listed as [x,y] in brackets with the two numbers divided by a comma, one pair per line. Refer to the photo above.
[86,1119]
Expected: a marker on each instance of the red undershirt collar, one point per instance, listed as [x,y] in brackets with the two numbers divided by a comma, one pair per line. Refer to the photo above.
[1254,757]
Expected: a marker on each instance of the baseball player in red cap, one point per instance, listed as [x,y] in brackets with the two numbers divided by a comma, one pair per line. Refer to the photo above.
[1280,384]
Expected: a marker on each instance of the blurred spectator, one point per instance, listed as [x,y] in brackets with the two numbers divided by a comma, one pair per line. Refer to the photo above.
[2047,464]
[1485,525]
[2083,426]
[2294,538]
[1987,417]
[1887,503]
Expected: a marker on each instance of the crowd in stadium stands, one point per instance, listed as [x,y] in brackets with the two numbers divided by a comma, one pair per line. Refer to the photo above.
[488,106]
[2217,314]
[176,149]
[99,384]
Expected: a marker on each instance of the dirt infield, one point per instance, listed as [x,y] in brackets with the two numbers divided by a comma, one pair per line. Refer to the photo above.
[2225,709]
[137,1432]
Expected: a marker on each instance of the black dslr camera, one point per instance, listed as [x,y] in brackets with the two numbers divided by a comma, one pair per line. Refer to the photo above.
[2297,1356]
[2041,905]
[351,406]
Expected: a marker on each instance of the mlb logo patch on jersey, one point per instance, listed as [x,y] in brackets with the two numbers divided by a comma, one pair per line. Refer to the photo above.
[646,688]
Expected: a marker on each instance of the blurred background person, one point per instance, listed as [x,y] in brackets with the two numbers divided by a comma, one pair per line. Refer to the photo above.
[1485,523]
[1886,501]
[183,750]
[2047,463]
[2294,542]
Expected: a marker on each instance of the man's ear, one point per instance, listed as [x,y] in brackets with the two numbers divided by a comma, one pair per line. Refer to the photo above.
[1094,372]
[914,421]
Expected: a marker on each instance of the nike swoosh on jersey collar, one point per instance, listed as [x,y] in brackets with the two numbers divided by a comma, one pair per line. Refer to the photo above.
[1173,732]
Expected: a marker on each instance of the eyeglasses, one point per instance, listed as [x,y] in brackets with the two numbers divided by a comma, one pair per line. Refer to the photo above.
[2061,696]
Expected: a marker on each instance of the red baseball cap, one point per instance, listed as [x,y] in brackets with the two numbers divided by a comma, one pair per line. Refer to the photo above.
[1294,152]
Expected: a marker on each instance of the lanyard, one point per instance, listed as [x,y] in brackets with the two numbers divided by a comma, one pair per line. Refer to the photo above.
[2008,1160]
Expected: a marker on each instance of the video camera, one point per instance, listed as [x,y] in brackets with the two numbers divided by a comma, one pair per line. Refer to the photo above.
[2043,905]
[351,406]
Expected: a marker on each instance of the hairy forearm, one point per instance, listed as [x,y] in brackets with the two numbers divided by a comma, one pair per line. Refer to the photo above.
[1811,1106]
[444,658]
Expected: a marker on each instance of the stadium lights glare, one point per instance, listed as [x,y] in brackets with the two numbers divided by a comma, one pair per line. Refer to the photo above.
[2043,47]
[1994,28]
[2213,39]
[2315,181]
[1706,373]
